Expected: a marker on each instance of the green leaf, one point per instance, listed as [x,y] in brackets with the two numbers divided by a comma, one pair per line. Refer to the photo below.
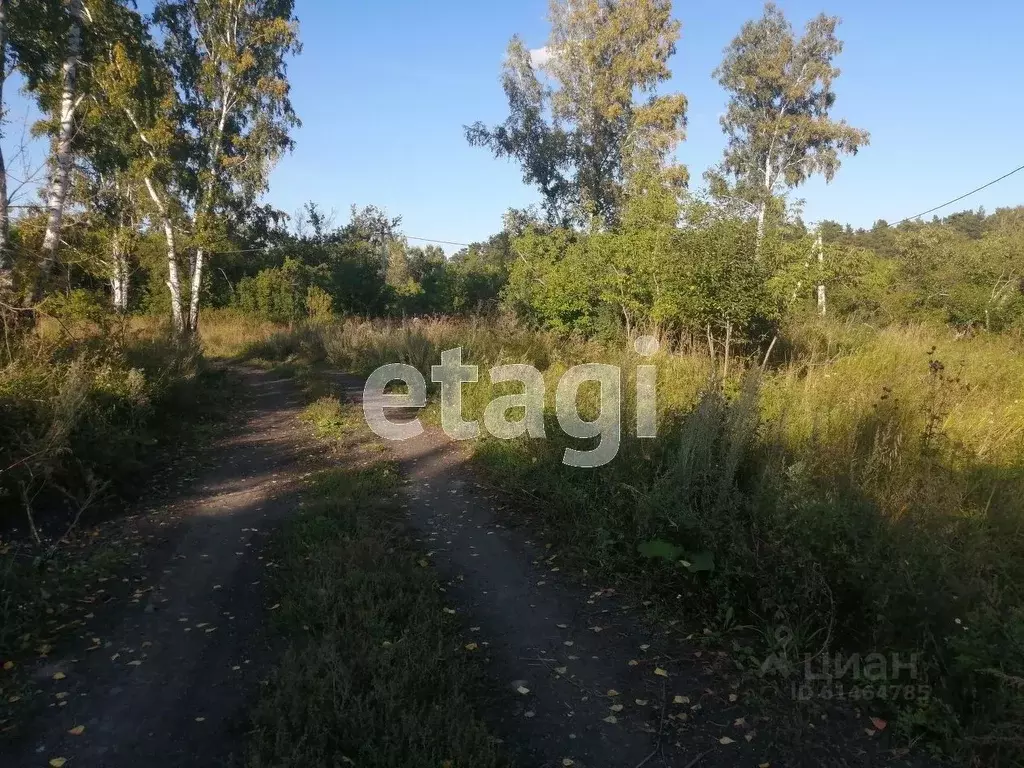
[658,548]
[699,561]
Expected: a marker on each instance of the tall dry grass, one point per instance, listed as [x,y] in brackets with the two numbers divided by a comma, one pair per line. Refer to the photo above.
[861,495]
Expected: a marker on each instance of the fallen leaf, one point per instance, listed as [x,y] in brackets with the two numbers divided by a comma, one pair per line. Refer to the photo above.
[611,719]
[568,761]
[681,700]
[725,740]
[660,672]
[616,707]
[641,702]
[879,723]
[633,662]
[471,646]
[57,762]
[59,676]
[523,690]
[612,692]
[78,730]
[8,666]
[561,670]
[732,697]
[134,663]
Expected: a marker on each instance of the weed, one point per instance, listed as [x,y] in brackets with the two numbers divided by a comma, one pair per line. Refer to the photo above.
[374,674]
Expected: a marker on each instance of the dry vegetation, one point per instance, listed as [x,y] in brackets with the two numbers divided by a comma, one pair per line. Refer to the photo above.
[859,495]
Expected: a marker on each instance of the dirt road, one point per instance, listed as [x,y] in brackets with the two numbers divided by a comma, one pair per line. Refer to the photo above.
[166,679]
[602,686]
[580,678]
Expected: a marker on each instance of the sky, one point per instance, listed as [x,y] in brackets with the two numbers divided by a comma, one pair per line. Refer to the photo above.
[384,88]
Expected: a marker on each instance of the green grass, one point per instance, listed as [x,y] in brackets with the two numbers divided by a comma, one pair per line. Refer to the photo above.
[375,673]
[862,495]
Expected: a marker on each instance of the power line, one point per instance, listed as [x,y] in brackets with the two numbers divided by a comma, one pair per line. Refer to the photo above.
[442,242]
[407,237]
[468,245]
[958,199]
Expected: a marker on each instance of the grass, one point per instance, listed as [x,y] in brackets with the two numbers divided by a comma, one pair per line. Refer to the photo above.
[374,673]
[860,496]
[85,419]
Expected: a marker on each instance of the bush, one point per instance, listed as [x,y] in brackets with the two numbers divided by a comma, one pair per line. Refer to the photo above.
[76,421]
[280,293]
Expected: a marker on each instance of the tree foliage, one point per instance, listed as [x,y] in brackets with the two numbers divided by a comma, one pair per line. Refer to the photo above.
[583,112]
[778,123]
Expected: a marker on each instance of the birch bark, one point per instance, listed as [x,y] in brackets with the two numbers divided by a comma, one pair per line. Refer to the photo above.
[6,278]
[60,179]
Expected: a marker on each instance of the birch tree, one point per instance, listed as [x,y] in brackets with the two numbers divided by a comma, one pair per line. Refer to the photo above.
[27,40]
[777,121]
[584,112]
[6,278]
[229,61]
[63,160]
[138,109]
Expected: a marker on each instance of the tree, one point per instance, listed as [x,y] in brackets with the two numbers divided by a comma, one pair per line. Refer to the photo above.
[373,225]
[57,45]
[136,139]
[6,278]
[777,121]
[63,160]
[581,132]
[228,58]
[119,120]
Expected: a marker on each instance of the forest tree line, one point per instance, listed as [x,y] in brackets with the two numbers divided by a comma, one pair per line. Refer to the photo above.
[163,130]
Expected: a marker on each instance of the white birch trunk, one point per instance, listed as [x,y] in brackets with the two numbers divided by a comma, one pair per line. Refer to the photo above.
[62,148]
[194,291]
[119,275]
[206,208]
[6,277]
[173,282]
[760,228]
[762,209]
[821,264]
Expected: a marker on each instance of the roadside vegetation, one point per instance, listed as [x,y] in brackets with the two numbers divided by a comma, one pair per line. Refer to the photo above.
[840,460]
[90,413]
[375,671]
[859,496]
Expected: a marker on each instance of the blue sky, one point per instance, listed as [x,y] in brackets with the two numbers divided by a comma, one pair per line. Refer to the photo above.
[383,88]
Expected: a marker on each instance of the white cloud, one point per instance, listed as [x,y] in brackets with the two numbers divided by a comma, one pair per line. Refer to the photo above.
[540,56]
